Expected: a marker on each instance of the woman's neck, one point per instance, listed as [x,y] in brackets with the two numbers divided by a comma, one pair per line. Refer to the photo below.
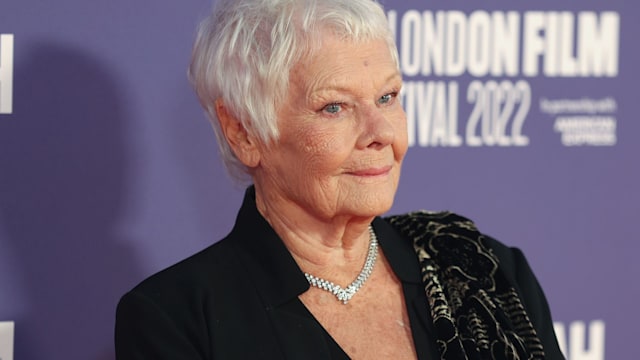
[324,246]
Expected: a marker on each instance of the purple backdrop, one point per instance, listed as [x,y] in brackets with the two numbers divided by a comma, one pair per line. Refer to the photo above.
[523,119]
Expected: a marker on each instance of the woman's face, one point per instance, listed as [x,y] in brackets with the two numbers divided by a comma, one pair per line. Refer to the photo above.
[342,134]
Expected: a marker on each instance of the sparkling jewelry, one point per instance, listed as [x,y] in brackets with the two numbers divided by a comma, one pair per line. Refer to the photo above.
[346,294]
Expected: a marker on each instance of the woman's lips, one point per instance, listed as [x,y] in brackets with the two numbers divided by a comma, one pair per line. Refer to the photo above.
[370,172]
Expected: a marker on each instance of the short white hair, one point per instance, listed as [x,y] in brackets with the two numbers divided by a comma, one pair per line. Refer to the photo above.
[245,50]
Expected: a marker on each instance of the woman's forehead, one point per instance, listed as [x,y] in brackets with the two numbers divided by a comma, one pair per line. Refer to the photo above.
[339,61]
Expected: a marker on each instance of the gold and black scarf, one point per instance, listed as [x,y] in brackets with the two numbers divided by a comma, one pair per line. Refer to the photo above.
[477,314]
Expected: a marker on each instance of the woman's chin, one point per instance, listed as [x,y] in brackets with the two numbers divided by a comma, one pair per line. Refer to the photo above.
[372,203]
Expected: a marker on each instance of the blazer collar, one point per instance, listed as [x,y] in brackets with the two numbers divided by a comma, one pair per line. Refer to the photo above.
[398,251]
[275,273]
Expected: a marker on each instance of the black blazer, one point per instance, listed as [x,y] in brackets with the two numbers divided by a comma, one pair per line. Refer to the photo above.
[238,299]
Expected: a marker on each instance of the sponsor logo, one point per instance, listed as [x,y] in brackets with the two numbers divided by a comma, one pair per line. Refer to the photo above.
[583,121]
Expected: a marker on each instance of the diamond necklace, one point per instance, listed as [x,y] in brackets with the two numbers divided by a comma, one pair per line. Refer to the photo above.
[346,294]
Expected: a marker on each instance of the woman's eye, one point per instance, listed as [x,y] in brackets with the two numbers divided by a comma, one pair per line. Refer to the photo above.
[332,108]
[387,98]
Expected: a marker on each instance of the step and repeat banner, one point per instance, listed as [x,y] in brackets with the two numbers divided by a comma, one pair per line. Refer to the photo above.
[522,117]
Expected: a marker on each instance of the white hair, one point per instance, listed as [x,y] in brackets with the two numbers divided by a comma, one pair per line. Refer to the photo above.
[245,50]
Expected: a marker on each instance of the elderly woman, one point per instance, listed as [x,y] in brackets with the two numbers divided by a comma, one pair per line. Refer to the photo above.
[303,96]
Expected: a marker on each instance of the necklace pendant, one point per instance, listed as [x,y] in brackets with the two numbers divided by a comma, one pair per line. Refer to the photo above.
[347,293]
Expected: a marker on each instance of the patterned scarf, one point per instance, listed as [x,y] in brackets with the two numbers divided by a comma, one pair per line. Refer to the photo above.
[477,314]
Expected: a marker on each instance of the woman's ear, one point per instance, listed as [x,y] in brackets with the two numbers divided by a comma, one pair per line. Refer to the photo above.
[243,144]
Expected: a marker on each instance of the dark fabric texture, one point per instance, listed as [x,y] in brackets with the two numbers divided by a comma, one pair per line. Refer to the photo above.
[477,312]
[238,299]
